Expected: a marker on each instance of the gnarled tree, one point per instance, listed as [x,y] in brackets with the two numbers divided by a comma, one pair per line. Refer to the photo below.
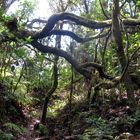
[117,25]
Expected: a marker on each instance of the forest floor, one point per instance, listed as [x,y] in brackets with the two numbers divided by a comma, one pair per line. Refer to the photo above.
[112,120]
[103,120]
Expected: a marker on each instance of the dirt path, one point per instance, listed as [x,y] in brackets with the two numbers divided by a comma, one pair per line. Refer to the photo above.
[30,134]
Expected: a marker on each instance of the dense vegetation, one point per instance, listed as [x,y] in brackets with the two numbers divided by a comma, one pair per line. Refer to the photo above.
[74,75]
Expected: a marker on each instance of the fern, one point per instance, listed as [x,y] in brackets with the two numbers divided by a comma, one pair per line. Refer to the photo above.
[5,136]
[15,127]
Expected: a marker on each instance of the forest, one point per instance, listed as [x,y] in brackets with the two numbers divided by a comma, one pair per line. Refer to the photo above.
[70,70]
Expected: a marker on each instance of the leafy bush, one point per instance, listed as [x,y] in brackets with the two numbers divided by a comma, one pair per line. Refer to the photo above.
[99,129]
[5,136]
[14,127]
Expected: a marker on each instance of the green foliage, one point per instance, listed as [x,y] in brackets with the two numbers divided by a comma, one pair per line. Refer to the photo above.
[42,130]
[53,109]
[64,75]
[6,136]
[24,9]
[28,73]
[28,39]
[21,52]
[100,129]
[136,116]
[15,128]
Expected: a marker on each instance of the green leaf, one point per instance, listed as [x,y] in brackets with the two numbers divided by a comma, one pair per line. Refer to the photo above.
[20,52]
[28,39]
[12,43]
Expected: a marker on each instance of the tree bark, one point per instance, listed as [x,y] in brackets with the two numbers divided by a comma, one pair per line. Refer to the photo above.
[55,80]
[120,51]
[51,91]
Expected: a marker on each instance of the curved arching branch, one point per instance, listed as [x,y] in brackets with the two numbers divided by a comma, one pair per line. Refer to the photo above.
[74,18]
[36,21]
[99,68]
[76,37]
[58,52]
[82,69]
[48,30]
[80,21]
[116,80]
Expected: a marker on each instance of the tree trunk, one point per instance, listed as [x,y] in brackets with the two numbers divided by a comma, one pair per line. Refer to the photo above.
[55,80]
[120,51]
[49,94]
